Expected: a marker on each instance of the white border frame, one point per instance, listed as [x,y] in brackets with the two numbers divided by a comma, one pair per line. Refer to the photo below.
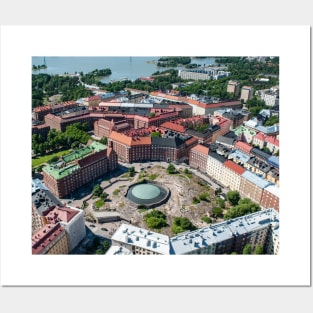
[290,268]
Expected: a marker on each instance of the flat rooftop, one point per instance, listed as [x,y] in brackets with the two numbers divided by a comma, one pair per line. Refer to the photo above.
[142,238]
[59,173]
[188,242]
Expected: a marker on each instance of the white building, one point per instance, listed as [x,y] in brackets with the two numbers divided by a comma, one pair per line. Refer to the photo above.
[140,241]
[215,165]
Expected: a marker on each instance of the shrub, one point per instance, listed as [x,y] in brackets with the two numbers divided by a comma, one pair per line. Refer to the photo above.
[206,219]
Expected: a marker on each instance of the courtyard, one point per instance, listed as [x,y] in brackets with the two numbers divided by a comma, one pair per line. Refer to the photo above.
[190,196]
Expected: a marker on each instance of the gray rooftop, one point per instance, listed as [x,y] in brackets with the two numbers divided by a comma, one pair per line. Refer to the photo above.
[217,157]
[255,179]
[167,142]
[239,156]
[209,236]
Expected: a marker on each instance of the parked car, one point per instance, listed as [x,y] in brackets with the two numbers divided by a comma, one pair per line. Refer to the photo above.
[92,225]
[103,228]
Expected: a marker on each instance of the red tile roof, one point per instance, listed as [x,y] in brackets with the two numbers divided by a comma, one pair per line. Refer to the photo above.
[272,140]
[45,236]
[243,146]
[173,126]
[260,136]
[56,215]
[234,167]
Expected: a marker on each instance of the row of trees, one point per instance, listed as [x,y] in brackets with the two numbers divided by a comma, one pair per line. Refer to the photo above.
[74,135]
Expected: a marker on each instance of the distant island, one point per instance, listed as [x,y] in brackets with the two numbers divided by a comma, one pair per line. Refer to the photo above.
[39,67]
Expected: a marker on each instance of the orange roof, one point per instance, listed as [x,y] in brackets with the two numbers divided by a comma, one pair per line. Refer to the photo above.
[191,141]
[243,146]
[201,149]
[234,167]
[174,127]
[115,136]
[130,141]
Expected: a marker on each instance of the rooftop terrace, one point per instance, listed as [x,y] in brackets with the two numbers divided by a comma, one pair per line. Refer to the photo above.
[61,169]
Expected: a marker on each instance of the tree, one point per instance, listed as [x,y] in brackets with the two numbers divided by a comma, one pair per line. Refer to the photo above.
[155,219]
[218,191]
[217,212]
[182,224]
[206,219]
[247,249]
[106,246]
[204,196]
[131,171]
[104,140]
[233,197]
[97,190]
[155,134]
[171,169]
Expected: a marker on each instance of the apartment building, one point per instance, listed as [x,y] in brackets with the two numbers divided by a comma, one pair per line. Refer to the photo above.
[131,149]
[259,228]
[263,140]
[257,166]
[71,219]
[50,239]
[40,112]
[79,168]
[198,157]
[41,130]
[140,241]
[243,147]
[252,186]
[270,197]
[104,127]
[233,86]
[246,93]
[239,157]
[231,175]
[215,165]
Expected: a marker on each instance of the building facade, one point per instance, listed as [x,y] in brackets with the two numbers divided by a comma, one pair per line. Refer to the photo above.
[198,157]
[231,175]
[233,87]
[79,168]
[252,186]
[50,239]
[246,93]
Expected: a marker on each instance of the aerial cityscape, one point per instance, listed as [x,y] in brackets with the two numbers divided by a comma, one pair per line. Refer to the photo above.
[155,155]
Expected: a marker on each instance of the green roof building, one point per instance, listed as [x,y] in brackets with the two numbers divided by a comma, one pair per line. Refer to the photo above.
[79,168]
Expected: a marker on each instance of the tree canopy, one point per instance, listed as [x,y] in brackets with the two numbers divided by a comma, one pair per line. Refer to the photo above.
[233,197]
[245,206]
[155,219]
[182,224]
[171,169]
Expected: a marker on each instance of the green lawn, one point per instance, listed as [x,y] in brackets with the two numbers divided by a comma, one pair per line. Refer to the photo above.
[46,158]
